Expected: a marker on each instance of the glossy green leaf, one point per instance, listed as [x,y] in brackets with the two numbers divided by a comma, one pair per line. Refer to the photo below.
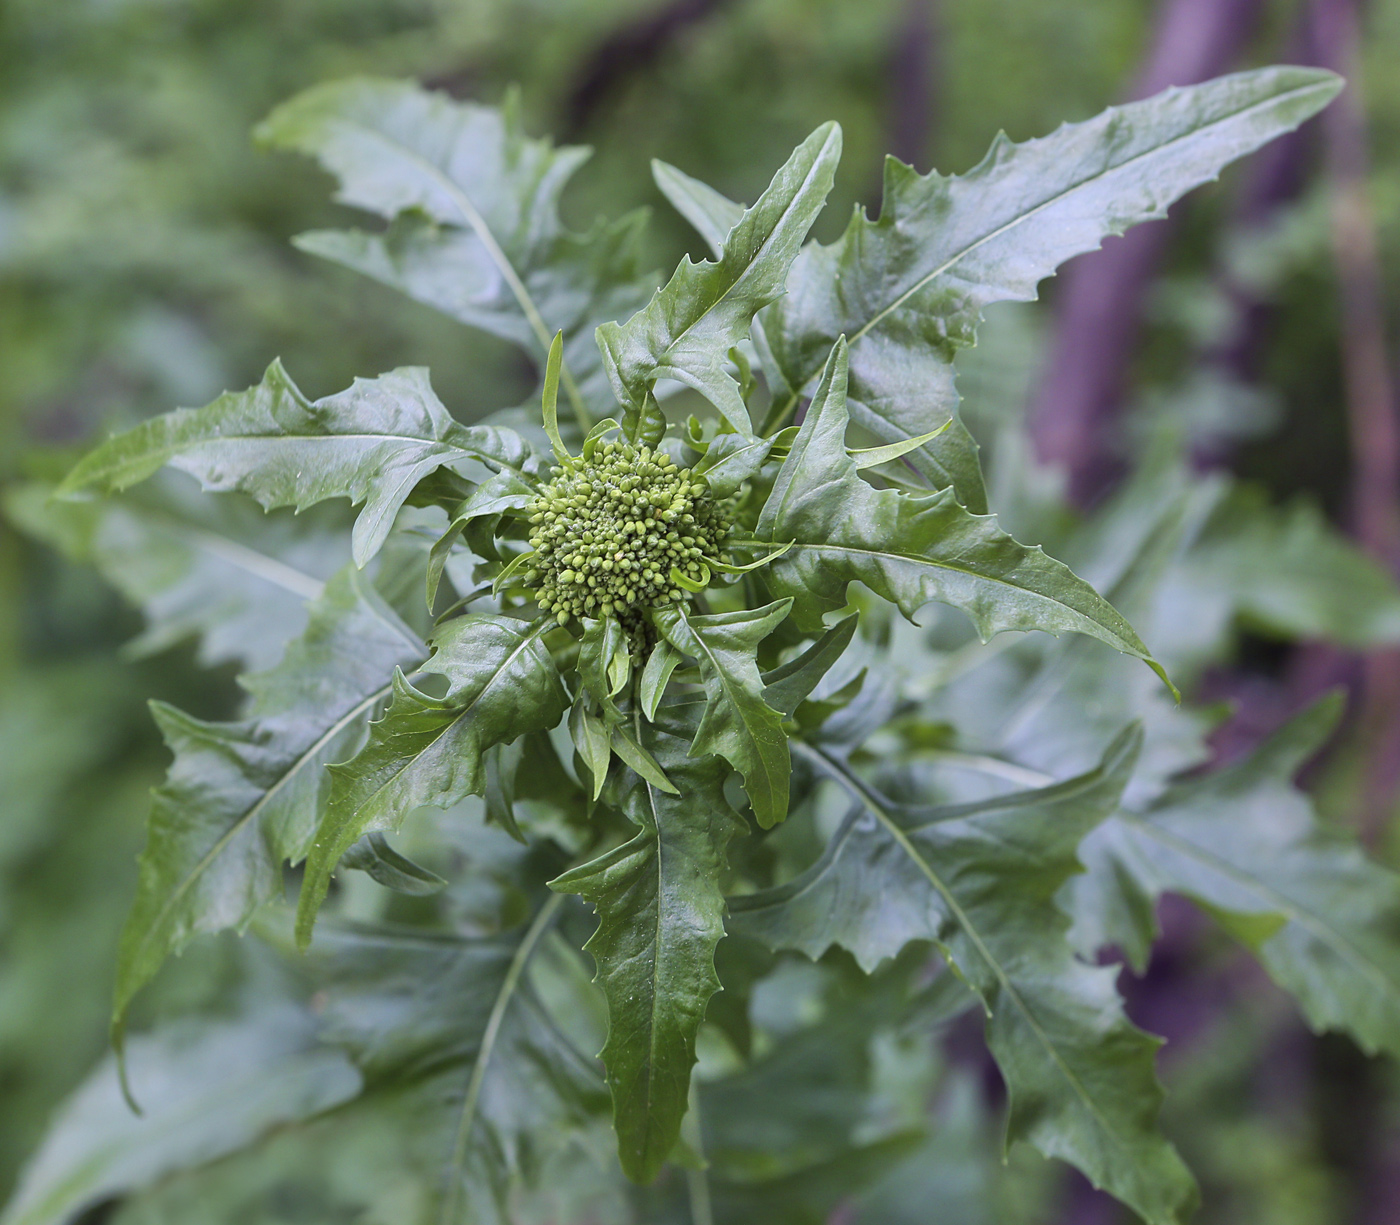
[686,331]
[980,881]
[371,444]
[911,548]
[1245,843]
[908,289]
[660,916]
[738,725]
[502,683]
[474,206]
[242,799]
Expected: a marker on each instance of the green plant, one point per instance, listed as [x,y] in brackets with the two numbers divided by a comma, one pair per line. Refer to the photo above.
[668,679]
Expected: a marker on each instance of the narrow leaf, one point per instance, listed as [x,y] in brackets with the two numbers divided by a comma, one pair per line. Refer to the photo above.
[660,916]
[686,331]
[738,724]
[786,687]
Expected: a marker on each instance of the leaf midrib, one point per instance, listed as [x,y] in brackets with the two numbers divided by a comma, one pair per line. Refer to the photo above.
[854,788]
[253,813]
[1296,912]
[1000,230]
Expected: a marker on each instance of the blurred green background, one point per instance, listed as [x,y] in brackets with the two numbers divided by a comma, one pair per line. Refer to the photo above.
[145,263]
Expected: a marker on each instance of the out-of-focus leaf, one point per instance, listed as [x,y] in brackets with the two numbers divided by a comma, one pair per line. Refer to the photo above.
[374,856]
[980,881]
[660,916]
[686,331]
[787,686]
[242,799]
[1245,844]
[372,444]
[739,724]
[474,205]
[213,569]
[911,548]
[909,288]
[1287,572]
[502,683]
[209,1089]
[407,1003]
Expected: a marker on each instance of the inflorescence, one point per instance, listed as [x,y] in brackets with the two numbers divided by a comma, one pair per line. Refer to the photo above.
[607,531]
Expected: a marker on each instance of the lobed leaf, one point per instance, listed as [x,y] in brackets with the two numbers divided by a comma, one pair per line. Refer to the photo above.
[980,881]
[687,329]
[909,288]
[1245,844]
[242,799]
[502,683]
[660,916]
[911,548]
[372,443]
[474,209]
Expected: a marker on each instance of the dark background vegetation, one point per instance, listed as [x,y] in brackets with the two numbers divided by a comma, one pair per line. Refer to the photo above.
[144,262]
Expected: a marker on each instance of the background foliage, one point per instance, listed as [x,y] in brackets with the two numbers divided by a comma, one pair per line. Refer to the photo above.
[145,261]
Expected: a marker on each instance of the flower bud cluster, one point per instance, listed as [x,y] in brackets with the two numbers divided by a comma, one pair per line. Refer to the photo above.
[606,532]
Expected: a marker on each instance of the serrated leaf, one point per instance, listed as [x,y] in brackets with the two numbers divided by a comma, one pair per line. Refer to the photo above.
[474,210]
[502,683]
[211,1089]
[371,443]
[911,548]
[687,329]
[660,916]
[980,881]
[909,288]
[242,799]
[738,724]
[216,570]
[1245,843]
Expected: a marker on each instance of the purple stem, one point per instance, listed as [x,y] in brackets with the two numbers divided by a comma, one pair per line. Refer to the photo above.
[1100,304]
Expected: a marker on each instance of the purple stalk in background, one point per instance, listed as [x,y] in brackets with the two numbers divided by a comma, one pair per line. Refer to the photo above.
[1100,302]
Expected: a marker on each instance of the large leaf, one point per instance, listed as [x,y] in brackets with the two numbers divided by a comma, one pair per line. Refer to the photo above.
[1245,843]
[909,288]
[980,881]
[910,548]
[407,1003]
[214,569]
[502,683]
[243,798]
[209,1090]
[475,226]
[660,916]
[371,443]
[686,331]
[739,724]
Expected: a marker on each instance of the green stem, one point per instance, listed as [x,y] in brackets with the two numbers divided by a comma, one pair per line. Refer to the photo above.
[696,1181]
[778,413]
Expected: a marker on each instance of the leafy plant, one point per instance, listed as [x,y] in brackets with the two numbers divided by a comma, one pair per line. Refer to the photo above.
[668,663]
